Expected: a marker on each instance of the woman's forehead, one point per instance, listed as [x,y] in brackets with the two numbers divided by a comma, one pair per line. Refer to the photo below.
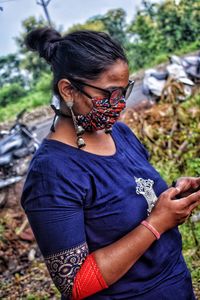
[115,76]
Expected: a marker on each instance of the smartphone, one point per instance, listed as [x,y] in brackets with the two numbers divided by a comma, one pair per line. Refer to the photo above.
[186,193]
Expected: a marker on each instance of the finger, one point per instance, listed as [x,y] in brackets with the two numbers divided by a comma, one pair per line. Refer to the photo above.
[187,201]
[183,184]
[172,192]
[186,183]
[196,182]
[194,205]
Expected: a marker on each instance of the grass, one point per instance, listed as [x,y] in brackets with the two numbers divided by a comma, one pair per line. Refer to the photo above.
[31,101]
[191,251]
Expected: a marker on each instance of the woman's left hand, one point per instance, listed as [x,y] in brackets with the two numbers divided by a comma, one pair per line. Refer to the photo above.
[187,185]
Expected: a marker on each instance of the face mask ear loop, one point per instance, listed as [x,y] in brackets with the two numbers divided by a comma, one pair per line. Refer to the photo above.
[108,130]
[54,119]
[79,129]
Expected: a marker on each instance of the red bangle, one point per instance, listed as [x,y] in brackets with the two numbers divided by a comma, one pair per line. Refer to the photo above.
[88,280]
[151,228]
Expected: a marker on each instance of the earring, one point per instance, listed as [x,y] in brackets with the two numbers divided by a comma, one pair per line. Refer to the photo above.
[79,129]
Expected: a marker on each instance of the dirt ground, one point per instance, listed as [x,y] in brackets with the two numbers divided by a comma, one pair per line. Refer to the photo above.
[23,273]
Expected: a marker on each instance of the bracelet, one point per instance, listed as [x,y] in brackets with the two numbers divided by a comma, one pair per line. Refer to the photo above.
[151,228]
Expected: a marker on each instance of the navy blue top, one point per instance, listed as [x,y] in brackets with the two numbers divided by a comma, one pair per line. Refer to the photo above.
[75,199]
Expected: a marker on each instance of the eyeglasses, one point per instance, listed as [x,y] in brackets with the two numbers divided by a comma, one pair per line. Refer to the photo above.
[113,95]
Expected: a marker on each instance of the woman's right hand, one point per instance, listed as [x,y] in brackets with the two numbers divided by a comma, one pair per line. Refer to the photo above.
[170,212]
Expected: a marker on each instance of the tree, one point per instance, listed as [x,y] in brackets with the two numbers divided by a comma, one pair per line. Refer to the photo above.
[10,71]
[178,22]
[113,22]
[91,24]
[10,93]
[163,28]
[145,35]
[31,61]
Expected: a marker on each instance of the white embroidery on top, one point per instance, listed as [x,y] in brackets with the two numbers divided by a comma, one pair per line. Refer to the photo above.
[145,187]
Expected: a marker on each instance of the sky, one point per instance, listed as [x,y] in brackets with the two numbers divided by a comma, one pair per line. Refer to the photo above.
[62,12]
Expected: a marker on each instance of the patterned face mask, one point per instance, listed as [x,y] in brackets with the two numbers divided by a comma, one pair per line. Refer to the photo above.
[104,114]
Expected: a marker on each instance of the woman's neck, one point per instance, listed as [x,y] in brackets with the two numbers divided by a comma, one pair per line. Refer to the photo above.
[97,142]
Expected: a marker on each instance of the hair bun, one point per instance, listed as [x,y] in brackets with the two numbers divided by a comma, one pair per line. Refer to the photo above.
[43,40]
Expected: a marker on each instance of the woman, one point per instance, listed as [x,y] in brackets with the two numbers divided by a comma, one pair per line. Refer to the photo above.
[102,216]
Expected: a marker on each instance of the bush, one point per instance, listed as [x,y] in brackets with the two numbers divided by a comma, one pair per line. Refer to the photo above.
[44,83]
[162,29]
[30,101]
[10,93]
[13,98]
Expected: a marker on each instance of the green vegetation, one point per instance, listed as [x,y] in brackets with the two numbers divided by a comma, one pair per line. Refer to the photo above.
[171,133]
[2,229]
[35,297]
[191,251]
[39,96]
[160,29]
[10,92]
[187,165]
[161,57]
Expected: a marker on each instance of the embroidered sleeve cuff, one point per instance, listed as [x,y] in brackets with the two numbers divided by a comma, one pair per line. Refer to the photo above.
[63,267]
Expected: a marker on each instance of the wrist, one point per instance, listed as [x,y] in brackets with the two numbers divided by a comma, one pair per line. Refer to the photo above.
[151,228]
[156,223]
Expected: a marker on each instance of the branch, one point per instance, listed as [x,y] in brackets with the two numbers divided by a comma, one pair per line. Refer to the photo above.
[181,150]
[45,3]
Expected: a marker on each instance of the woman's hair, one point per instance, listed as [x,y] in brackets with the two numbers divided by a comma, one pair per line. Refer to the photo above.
[78,55]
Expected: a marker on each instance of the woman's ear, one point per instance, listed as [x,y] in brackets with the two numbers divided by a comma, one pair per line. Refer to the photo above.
[65,89]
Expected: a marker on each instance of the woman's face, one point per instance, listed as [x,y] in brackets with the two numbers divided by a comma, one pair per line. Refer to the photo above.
[117,76]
